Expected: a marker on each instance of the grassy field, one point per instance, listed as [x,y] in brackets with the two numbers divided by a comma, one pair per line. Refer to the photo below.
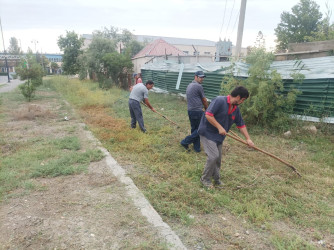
[293,212]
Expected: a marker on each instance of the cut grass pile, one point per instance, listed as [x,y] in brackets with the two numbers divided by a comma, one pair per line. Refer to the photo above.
[257,187]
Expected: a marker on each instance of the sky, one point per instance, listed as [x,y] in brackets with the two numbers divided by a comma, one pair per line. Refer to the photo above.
[37,24]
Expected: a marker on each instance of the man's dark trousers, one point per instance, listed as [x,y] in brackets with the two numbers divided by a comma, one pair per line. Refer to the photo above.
[195,119]
[136,114]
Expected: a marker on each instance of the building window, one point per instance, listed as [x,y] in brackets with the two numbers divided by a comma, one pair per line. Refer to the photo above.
[186,52]
[207,53]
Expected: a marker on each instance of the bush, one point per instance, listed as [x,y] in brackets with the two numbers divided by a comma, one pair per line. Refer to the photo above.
[28,90]
[31,71]
[267,106]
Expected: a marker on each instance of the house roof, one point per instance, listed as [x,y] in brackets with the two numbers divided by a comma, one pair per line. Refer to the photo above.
[159,47]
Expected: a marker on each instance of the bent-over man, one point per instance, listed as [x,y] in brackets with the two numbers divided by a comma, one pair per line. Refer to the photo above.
[222,112]
[138,94]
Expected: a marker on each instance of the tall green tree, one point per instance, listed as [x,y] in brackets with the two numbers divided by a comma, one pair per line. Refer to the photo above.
[124,40]
[325,28]
[71,46]
[105,60]
[133,47]
[295,27]
[14,48]
[91,61]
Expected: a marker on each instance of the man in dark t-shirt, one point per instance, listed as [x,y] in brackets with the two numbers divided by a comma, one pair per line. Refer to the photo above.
[217,121]
[196,100]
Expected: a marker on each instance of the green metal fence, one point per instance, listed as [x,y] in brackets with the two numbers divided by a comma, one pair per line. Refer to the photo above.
[316,98]
[168,81]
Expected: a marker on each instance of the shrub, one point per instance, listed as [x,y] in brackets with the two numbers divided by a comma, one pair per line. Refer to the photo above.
[268,105]
[31,71]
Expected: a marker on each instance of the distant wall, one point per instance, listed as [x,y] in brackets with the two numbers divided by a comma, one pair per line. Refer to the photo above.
[311,46]
[307,50]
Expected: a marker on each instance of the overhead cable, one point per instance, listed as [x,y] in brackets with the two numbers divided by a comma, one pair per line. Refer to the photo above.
[223,20]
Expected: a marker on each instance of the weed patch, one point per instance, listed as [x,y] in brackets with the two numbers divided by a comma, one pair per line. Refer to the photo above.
[31,112]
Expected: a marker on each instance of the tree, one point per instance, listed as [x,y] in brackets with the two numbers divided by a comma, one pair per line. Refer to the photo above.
[71,46]
[14,48]
[117,67]
[133,47]
[91,61]
[123,39]
[42,60]
[103,60]
[325,29]
[30,70]
[296,26]
[54,67]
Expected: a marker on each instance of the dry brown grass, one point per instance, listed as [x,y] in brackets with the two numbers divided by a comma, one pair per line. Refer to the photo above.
[109,127]
[31,112]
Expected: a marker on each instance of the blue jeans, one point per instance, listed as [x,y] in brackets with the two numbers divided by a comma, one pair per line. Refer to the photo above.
[195,119]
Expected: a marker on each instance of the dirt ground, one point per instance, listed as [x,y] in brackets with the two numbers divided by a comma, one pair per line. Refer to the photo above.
[92,210]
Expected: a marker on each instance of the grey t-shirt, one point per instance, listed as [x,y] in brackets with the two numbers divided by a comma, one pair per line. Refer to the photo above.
[195,94]
[139,92]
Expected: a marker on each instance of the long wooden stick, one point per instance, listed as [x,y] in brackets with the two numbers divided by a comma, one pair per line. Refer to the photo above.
[237,138]
[162,115]
[235,134]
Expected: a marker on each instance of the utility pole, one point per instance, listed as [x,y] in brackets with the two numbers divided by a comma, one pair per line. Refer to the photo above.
[240,27]
[4,50]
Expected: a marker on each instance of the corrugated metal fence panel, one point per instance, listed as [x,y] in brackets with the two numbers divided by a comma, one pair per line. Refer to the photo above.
[168,81]
[317,95]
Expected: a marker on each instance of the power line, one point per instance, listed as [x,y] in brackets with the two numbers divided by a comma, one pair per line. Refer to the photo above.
[223,20]
[229,19]
[236,19]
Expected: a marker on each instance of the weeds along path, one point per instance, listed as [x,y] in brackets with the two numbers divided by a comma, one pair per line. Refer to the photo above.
[57,191]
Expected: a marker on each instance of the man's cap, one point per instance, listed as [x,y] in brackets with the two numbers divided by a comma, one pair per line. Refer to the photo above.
[200,74]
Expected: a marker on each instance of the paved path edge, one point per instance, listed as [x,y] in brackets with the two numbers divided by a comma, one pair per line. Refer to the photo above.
[138,198]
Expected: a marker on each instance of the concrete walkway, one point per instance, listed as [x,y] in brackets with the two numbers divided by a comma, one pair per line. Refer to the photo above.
[6,86]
